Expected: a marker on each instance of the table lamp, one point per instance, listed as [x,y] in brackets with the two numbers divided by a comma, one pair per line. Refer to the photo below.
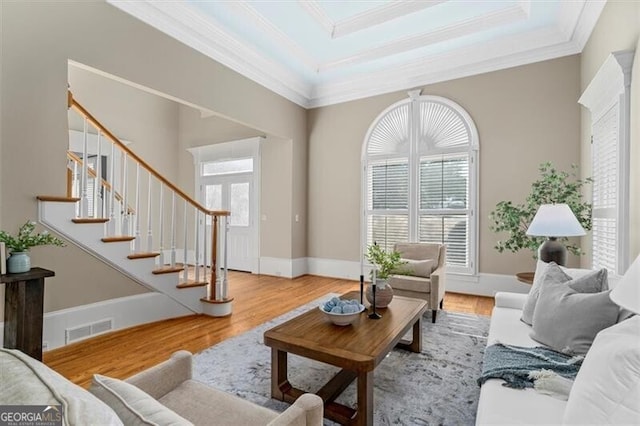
[627,292]
[553,221]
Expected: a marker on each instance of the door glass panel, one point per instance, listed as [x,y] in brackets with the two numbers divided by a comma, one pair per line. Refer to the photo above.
[239,204]
[213,197]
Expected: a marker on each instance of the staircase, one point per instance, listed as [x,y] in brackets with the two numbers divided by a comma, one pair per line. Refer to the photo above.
[122,211]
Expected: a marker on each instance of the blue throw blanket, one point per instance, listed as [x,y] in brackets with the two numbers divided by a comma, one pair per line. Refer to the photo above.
[514,364]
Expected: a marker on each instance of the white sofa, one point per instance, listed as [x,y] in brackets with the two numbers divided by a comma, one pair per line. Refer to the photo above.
[605,391]
[502,405]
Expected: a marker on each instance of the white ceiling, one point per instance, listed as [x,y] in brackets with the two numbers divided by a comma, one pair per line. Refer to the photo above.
[320,52]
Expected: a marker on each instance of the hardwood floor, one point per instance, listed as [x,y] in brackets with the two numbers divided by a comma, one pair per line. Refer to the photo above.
[258,298]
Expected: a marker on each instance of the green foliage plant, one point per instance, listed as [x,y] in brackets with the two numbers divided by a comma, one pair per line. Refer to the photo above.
[25,239]
[387,262]
[553,187]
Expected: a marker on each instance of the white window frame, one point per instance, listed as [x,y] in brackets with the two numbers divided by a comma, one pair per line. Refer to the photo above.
[414,158]
[611,88]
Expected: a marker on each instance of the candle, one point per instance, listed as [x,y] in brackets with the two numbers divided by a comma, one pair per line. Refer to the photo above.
[374,275]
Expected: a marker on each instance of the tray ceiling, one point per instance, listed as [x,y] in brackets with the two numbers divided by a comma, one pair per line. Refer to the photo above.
[320,52]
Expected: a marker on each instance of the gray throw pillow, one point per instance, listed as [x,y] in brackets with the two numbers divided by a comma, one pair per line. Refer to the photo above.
[567,321]
[553,271]
[592,282]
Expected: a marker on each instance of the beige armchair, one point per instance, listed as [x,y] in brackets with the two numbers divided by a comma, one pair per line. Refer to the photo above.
[427,279]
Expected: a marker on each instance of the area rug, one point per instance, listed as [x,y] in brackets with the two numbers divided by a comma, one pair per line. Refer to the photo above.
[435,387]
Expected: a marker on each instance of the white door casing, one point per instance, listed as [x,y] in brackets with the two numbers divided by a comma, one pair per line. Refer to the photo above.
[244,232]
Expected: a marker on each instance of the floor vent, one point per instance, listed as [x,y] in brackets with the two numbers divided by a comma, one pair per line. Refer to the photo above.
[88,330]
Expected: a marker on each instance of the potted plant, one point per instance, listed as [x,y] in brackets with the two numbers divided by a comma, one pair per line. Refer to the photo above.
[22,242]
[553,187]
[385,263]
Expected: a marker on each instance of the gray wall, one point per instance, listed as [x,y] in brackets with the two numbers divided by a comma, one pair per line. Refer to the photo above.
[38,39]
[617,29]
[525,116]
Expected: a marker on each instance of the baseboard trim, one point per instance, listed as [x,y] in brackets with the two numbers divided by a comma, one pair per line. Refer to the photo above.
[482,284]
[125,311]
[280,267]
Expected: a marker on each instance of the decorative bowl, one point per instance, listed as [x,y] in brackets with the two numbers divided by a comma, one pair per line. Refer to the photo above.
[342,319]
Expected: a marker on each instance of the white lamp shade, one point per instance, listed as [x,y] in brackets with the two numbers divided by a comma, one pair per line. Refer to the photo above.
[627,292]
[555,220]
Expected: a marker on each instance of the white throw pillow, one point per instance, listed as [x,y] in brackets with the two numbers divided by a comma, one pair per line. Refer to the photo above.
[607,387]
[417,268]
[134,406]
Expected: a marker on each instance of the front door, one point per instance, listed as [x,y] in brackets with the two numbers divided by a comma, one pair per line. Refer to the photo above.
[235,194]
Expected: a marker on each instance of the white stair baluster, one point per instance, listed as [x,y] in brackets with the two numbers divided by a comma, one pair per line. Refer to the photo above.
[97,186]
[197,244]
[226,252]
[136,242]
[125,209]
[173,229]
[74,186]
[161,224]
[84,197]
[184,245]
[111,228]
[149,230]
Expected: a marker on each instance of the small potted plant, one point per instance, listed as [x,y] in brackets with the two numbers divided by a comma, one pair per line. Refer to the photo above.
[22,242]
[385,263]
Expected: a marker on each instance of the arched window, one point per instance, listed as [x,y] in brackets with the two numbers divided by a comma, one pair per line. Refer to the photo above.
[420,178]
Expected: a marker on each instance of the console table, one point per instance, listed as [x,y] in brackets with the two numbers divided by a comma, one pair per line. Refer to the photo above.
[23,310]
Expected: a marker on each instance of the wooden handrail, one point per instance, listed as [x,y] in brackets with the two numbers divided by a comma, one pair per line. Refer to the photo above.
[71,156]
[75,105]
[215,223]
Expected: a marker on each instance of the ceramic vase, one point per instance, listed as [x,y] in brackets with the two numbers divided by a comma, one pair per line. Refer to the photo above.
[18,262]
[384,294]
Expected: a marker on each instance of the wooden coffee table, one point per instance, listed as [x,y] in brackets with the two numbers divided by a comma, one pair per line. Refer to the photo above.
[357,349]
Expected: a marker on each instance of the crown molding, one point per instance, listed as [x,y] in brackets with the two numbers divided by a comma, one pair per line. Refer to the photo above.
[568,16]
[587,21]
[380,15]
[540,45]
[182,22]
[247,12]
[316,12]
[469,26]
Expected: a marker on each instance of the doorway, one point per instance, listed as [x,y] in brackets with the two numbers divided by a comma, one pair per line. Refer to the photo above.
[228,185]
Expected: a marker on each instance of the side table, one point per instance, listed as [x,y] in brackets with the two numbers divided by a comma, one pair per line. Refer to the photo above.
[525,277]
[23,310]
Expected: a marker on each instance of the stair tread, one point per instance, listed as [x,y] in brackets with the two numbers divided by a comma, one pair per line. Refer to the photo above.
[90,220]
[58,198]
[167,270]
[192,283]
[118,239]
[134,256]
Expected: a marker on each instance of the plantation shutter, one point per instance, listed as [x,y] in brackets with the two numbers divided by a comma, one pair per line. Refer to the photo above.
[444,205]
[388,202]
[605,160]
